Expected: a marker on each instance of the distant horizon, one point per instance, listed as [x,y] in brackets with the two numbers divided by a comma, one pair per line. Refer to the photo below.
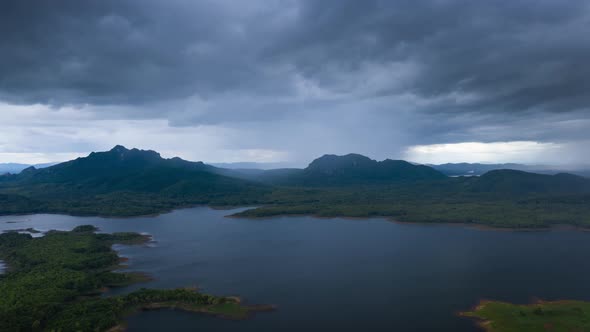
[288,164]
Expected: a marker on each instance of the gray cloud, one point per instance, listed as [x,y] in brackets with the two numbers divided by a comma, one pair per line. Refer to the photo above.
[394,73]
[512,55]
[125,52]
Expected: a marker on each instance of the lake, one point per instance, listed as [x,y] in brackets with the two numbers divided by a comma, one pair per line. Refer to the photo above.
[339,274]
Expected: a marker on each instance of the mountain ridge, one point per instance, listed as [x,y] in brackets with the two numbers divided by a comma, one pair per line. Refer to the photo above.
[343,170]
[132,182]
[126,180]
[476,169]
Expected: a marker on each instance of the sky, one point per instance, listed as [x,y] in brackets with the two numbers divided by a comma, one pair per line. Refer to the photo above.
[287,81]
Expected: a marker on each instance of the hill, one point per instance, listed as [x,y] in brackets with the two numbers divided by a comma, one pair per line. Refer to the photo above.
[126,181]
[513,182]
[500,198]
[103,168]
[131,182]
[351,169]
[475,169]
[14,168]
[466,169]
[358,169]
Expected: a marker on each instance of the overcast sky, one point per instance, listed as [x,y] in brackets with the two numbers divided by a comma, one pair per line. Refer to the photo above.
[283,80]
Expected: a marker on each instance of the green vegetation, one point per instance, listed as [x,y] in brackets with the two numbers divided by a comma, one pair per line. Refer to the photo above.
[123,182]
[54,284]
[418,204]
[353,169]
[558,316]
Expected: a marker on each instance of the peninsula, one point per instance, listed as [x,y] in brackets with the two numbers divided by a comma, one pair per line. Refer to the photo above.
[54,283]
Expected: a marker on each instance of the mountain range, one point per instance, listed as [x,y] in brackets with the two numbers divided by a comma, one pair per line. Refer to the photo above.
[15,168]
[351,169]
[122,169]
[253,169]
[476,169]
[126,182]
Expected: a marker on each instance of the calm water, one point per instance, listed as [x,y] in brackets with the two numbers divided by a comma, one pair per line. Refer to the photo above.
[340,274]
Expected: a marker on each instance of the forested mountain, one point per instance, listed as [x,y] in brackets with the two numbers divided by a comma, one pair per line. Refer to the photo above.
[129,182]
[347,170]
[124,181]
[520,182]
[15,168]
[122,170]
[358,169]
[355,170]
[98,166]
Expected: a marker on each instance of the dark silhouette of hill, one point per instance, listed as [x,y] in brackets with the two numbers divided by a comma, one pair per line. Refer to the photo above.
[350,169]
[519,182]
[129,182]
[123,177]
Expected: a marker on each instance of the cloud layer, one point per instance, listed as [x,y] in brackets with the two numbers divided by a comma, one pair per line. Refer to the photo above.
[294,79]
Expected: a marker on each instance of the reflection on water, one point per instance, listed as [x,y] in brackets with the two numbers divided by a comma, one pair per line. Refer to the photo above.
[340,274]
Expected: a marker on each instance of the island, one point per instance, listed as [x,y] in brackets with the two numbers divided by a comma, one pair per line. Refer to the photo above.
[555,316]
[55,283]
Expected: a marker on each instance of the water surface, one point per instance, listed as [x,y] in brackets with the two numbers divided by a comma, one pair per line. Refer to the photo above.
[340,274]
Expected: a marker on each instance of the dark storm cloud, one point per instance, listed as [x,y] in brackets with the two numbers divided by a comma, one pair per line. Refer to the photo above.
[510,55]
[130,52]
[454,70]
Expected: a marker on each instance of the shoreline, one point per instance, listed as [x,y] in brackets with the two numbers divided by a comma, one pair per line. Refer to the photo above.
[252,309]
[207,310]
[108,275]
[83,215]
[482,227]
[147,215]
[136,277]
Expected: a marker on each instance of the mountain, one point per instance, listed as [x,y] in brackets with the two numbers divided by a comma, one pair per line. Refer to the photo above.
[352,169]
[131,182]
[467,169]
[476,169]
[519,182]
[129,178]
[14,168]
[117,163]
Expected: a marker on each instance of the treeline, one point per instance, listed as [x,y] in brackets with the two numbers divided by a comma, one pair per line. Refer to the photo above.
[102,314]
[431,205]
[437,202]
[123,182]
[54,282]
